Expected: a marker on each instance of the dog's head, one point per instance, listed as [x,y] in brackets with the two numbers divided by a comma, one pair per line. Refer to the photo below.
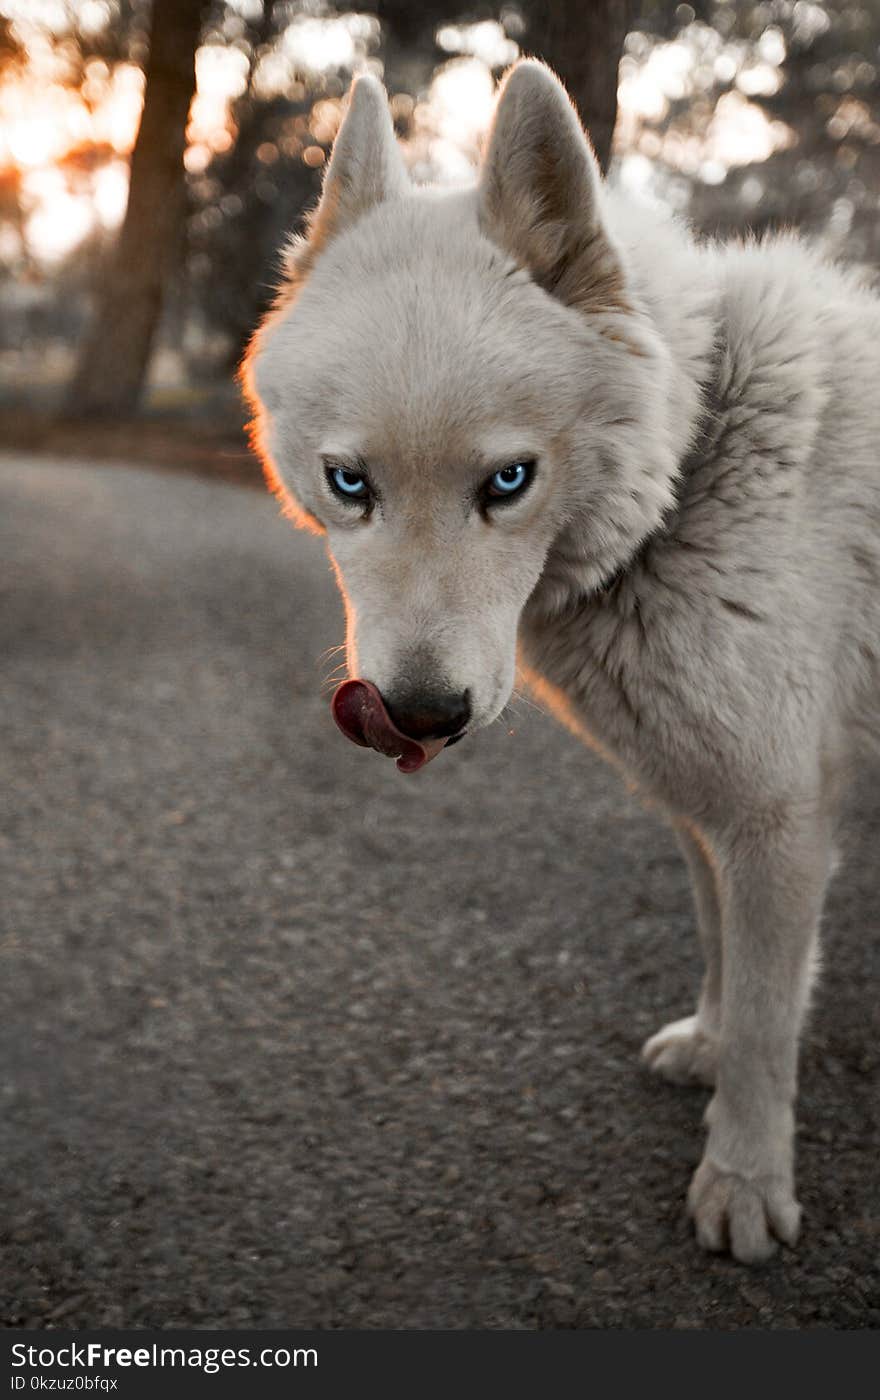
[459,389]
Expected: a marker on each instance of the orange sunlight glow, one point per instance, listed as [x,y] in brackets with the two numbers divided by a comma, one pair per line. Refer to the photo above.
[221,76]
[68,145]
[41,124]
[553,701]
[48,135]
[257,430]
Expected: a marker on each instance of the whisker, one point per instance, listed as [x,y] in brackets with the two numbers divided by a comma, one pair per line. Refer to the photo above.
[518,698]
[333,679]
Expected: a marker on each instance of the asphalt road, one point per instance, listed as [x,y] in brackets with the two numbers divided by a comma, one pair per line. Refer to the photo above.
[287,1039]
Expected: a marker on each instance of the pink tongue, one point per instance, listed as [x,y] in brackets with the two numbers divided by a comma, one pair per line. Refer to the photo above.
[360,712]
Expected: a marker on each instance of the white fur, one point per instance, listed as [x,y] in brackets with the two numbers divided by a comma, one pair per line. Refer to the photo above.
[693,578]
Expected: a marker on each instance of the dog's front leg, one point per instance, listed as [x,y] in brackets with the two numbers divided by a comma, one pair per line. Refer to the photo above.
[686,1051]
[772,878]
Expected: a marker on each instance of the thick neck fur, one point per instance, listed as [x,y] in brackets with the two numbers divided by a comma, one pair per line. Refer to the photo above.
[672,279]
[673,286]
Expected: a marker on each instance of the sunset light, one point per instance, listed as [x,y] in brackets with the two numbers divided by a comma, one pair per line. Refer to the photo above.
[65,142]
[61,140]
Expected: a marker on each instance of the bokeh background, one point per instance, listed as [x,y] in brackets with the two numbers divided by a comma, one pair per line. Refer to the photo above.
[154,155]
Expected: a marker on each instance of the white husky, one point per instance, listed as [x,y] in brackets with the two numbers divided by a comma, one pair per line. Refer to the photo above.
[526,411]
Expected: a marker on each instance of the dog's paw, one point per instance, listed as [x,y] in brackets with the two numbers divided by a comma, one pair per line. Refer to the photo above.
[683,1053]
[746,1217]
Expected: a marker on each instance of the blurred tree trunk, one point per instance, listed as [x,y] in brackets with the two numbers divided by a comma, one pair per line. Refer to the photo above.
[582,40]
[115,354]
[409,53]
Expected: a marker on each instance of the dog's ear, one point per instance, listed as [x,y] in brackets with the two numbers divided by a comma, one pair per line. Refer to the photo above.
[539,196]
[366,167]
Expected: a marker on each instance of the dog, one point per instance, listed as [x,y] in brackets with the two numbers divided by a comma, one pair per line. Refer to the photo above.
[535,420]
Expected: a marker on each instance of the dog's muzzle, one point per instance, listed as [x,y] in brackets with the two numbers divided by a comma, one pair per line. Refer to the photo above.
[363,717]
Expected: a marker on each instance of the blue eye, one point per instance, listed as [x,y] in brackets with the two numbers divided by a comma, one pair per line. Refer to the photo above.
[349,484]
[509,480]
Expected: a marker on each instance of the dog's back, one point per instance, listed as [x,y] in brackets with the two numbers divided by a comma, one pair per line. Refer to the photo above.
[799,423]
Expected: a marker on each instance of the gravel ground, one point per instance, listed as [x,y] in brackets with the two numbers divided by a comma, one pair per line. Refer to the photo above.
[288,1039]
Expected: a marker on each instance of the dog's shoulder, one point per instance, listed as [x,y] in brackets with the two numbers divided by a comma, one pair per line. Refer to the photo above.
[788,405]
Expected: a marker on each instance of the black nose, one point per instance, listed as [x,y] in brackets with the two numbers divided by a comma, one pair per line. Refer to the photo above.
[430,716]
